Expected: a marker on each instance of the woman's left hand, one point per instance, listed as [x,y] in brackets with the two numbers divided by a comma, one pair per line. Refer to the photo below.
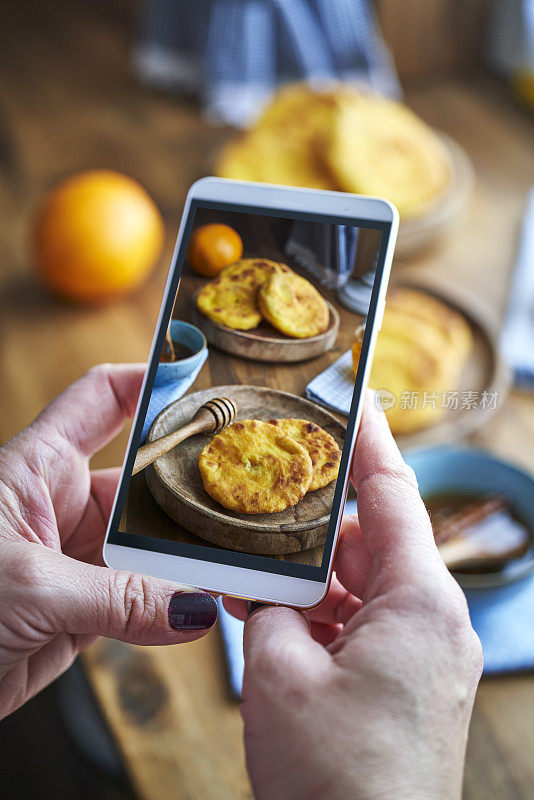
[55,595]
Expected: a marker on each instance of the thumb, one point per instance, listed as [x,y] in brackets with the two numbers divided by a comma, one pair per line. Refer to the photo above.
[277,644]
[80,598]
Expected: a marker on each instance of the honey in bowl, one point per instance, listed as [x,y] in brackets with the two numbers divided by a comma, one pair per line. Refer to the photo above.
[187,354]
[181,351]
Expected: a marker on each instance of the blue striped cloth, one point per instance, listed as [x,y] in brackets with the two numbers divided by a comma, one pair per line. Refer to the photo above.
[333,388]
[233,54]
[326,251]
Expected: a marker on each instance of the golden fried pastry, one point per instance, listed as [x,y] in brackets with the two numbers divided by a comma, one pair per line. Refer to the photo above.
[281,146]
[343,139]
[449,324]
[421,350]
[323,449]
[293,306]
[254,468]
[230,299]
[375,146]
[268,158]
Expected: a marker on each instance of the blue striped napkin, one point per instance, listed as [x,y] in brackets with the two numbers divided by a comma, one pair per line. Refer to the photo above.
[325,250]
[334,387]
[233,54]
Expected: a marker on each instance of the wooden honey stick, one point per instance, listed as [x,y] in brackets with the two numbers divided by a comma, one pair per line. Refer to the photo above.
[211,417]
[486,549]
[167,353]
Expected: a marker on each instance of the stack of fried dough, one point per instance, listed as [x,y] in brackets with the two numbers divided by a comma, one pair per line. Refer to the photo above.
[253,289]
[421,350]
[343,139]
[263,467]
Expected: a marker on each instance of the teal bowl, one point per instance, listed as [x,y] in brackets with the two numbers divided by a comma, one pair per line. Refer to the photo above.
[191,337]
[470,471]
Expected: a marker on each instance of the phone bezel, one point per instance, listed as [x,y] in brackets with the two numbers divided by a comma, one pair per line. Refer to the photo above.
[151,556]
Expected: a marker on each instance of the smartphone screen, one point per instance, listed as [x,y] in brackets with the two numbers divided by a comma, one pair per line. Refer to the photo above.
[276,335]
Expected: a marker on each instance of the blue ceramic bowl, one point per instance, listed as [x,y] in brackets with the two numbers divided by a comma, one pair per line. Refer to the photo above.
[192,338]
[470,471]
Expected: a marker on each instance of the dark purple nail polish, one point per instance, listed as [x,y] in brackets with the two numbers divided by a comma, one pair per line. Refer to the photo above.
[192,611]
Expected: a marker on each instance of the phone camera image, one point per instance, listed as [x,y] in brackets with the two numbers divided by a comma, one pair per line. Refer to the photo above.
[239,440]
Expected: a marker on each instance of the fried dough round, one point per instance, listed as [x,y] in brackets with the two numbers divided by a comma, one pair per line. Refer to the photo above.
[322,448]
[449,323]
[254,468]
[379,147]
[281,146]
[293,306]
[230,299]
[421,351]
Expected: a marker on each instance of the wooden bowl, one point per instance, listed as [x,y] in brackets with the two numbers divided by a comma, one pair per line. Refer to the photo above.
[265,343]
[176,484]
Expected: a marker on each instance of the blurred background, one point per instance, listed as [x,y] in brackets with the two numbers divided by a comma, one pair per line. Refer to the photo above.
[162,93]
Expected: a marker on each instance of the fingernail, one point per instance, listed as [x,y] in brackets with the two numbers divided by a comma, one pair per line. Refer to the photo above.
[192,611]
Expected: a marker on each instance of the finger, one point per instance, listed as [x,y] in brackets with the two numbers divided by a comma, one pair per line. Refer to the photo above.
[91,412]
[395,526]
[277,644]
[79,598]
[325,634]
[236,607]
[85,542]
[338,606]
[40,669]
[353,559]
[104,484]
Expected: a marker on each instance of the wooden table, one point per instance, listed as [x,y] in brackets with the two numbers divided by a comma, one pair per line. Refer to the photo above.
[68,101]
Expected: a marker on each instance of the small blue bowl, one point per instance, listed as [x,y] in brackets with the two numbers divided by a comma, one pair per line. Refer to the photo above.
[191,337]
[469,471]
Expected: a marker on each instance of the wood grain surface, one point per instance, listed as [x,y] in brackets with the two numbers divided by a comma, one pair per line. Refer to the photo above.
[176,484]
[68,101]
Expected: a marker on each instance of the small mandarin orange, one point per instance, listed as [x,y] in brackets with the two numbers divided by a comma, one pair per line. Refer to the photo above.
[213,247]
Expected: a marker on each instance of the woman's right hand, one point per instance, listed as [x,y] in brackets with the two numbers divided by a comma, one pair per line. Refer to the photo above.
[375,700]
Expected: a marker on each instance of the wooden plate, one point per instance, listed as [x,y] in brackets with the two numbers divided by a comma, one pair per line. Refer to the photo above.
[176,484]
[484,370]
[264,343]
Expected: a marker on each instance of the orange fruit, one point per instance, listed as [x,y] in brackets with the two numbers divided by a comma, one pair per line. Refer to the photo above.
[98,235]
[213,247]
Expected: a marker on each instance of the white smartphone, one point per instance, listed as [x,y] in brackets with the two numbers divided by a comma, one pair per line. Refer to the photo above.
[175,521]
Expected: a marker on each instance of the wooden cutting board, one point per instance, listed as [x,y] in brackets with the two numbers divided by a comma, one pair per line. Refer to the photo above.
[176,484]
[265,343]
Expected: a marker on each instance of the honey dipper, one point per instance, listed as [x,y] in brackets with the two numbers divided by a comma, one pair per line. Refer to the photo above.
[211,417]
